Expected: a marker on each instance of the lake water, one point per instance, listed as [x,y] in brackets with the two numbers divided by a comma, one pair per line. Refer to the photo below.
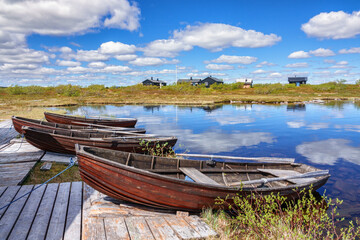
[326,136]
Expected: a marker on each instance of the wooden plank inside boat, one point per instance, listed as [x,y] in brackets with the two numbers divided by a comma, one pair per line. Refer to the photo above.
[287,173]
[197,176]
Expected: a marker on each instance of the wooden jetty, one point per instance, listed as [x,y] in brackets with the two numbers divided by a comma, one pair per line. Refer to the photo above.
[74,210]
[77,211]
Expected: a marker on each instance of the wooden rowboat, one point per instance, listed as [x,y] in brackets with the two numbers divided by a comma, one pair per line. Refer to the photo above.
[162,182]
[63,141]
[66,119]
[20,122]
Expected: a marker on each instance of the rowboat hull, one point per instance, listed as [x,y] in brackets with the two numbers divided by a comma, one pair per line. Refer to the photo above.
[46,140]
[146,187]
[20,122]
[65,119]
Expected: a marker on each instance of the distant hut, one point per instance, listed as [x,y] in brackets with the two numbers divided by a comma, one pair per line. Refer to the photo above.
[191,80]
[248,82]
[297,80]
[210,81]
[153,82]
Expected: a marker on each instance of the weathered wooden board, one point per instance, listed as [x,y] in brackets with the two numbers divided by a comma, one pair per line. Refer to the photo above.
[57,221]
[95,229]
[200,226]
[7,197]
[14,173]
[46,166]
[138,228]
[40,225]
[73,218]
[10,216]
[57,157]
[116,229]
[198,176]
[23,224]
[182,228]
[161,229]
[2,190]
[287,173]
[7,132]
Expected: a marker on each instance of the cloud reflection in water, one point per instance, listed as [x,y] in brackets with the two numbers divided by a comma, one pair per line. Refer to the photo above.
[327,152]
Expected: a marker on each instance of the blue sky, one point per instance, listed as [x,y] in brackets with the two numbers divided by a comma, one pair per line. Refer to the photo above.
[120,42]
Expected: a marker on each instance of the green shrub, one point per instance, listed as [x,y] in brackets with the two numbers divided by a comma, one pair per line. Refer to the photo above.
[68,90]
[28,90]
[274,217]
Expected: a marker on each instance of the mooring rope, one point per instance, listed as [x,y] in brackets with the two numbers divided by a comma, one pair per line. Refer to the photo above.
[72,163]
[22,139]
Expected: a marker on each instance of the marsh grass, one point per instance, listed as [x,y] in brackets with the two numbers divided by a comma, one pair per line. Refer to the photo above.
[17,97]
[37,176]
[275,217]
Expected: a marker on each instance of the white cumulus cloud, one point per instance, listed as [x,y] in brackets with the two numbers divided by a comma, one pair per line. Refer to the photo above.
[63,17]
[299,54]
[334,25]
[235,59]
[322,52]
[150,61]
[212,36]
[351,50]
[297,65]
[116,48]
[219,67]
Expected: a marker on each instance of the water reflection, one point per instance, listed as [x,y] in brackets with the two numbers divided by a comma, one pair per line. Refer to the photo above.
[323,135]
[327,152]
[296,107]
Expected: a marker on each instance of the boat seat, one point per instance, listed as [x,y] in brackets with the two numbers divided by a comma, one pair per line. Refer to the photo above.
[287,173]
[197,176]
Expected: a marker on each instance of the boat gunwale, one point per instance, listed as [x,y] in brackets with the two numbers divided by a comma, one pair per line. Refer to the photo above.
[103,139]
[81,151]
[63,126]
[70,117]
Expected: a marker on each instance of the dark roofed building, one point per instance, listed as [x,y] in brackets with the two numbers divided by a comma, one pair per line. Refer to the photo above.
[192,81]
[297,80]
[152,82]
[210,81]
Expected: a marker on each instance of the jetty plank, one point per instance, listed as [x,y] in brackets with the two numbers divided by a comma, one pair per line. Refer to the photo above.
[95,230]
[7,132]
[7,197]
[73,218]
[200,226]
[2,190]
[57,221]
[46,166]
[57,157]
[182,228]
[14,173]
[138,228]
[23,224]
[40,225]
[11,215]
[92,228]
[116,229]
[161,229]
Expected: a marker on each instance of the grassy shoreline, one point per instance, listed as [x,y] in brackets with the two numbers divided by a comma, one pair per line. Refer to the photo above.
[31,101]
